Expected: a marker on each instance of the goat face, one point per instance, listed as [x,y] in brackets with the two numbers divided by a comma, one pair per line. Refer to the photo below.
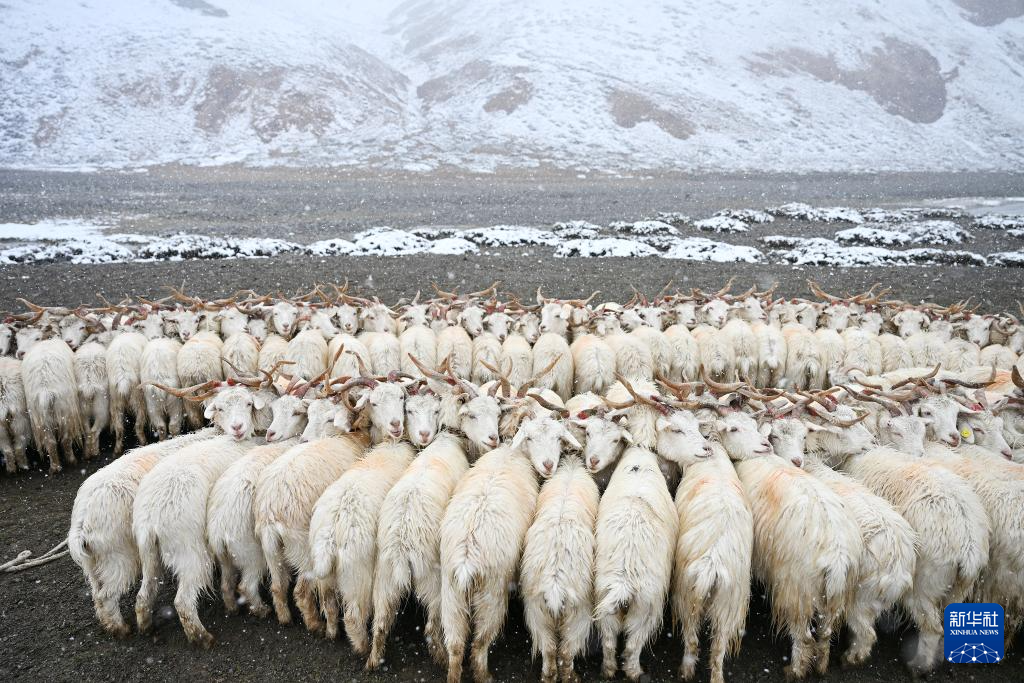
[73,330]
[606,439]
[686,314]
[679,438]
[414,315]
[498,323]
[422,411]
[186,323]
[285,317]
[385,402]
[478,419]
[871,322]
[348,319]
[233,411]
[986,430]
[232,321]
[977,329]
[472,320]
[376,318]
[25,339]
[940,414]
[910,322]
[289,418]
[540,439]
[741,437]
[554,318]
[788,436]
[652,316]
[528,325]
[715,313]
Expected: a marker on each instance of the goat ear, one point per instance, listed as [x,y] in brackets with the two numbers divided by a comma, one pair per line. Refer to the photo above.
[259,401]
[967,434]
[566,311]
[463,411]
[627,437]
[568,438]
[363,400]
[517,440]
[305,403]
[208,411]
[765,428]
[661,423]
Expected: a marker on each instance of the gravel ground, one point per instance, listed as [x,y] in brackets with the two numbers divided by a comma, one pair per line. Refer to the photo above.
[47,627]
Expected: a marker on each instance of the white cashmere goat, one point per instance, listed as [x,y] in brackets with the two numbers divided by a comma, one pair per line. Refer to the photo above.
[100,539]
[231,528]
[887,566]
[455,343]
[15,429]
[949,519]
[169,524]
[557,569]
[343,534]
[159,365]
[711,575]
[550,348]
[199,361]
[421,343]
[93,394]
[307,352]
[286,492]
[482,534]
[242,356]
[516,359]
[124,384]
[48,375]
[635,538]
[408,542]
[796,518]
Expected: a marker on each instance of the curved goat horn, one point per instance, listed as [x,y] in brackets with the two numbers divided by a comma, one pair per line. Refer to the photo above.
[716,387]
[528,384]
[202,391]
[656,403]
[544,403]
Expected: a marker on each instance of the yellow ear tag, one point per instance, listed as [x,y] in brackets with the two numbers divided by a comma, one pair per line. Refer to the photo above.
[965,432]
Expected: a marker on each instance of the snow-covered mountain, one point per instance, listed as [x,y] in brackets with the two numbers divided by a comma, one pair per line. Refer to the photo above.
[592,84]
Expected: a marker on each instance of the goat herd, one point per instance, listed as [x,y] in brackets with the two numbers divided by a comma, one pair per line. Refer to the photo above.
[852,454]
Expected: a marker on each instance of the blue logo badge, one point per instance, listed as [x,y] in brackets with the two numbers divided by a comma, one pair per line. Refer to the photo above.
[974,633]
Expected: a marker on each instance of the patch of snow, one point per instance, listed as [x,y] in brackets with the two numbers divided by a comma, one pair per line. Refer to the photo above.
[872,236]
[78,251]
[747,215]
[721,224]
[998,221]
[185,246]
[935,232]
[510,236]
[1008,259]
[576,230]
[603,247]
[453,246]
[877,215]
[673,218]
[806,212]
[703,249]
[817,251]
[54,229]
[643,228]
[385,241]
[916,232]
[1015,233]
[331,247]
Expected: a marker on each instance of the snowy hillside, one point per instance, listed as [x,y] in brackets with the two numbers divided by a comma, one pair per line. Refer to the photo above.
[591,84]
